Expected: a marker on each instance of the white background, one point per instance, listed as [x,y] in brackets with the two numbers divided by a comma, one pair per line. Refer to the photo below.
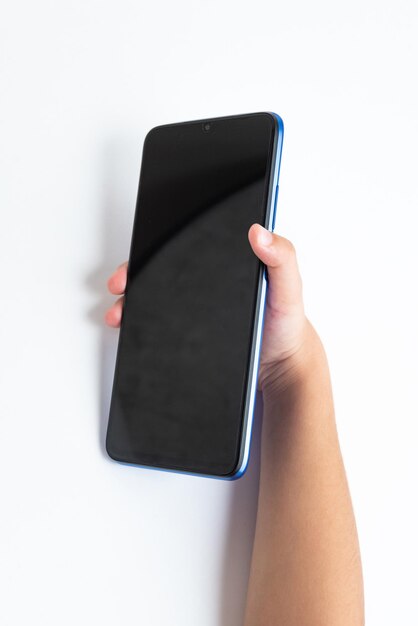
[82,539]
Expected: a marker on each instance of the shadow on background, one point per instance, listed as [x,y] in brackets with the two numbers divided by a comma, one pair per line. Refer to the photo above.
[120,167]
[240,533]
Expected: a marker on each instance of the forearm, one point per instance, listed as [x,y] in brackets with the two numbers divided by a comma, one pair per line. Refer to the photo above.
[306,567]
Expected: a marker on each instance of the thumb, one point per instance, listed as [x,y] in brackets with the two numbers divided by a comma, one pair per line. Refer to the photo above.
[284,282]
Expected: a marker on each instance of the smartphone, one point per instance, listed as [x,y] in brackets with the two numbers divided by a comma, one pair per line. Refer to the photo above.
[186,367]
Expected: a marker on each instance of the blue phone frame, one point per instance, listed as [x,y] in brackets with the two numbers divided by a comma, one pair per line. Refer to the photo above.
[249,407]
[248,417]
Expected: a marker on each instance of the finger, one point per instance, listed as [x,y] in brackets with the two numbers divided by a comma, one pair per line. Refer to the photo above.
[113,315]
[278,253]
[117,282]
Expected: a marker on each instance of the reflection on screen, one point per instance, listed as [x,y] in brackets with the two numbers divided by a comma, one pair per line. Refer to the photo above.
[186,334]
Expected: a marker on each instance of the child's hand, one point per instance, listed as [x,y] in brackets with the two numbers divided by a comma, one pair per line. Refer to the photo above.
[286,328]
[287,332]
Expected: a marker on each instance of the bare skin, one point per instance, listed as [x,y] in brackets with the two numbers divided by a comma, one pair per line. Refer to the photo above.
[306,566]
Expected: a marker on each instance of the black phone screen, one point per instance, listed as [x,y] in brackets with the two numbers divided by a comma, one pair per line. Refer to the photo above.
[184,346]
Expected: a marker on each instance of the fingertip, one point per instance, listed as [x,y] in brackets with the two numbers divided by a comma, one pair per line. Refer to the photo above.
[263,236]
[116,284]
[113,317]
[258,235]
[260,240]
[252,232]
[271,249]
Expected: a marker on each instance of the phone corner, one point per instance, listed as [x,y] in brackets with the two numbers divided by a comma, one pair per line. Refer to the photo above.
[238,470]
[151,132]
[279,122]
[108,448]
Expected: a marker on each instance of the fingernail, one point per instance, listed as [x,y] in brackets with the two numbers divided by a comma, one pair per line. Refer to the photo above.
[265,237]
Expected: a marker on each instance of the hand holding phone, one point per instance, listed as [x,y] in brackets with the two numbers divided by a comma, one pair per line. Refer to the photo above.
[284,321]
[186,371]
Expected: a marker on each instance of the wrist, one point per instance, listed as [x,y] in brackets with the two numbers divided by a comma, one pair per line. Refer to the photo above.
[306,361]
